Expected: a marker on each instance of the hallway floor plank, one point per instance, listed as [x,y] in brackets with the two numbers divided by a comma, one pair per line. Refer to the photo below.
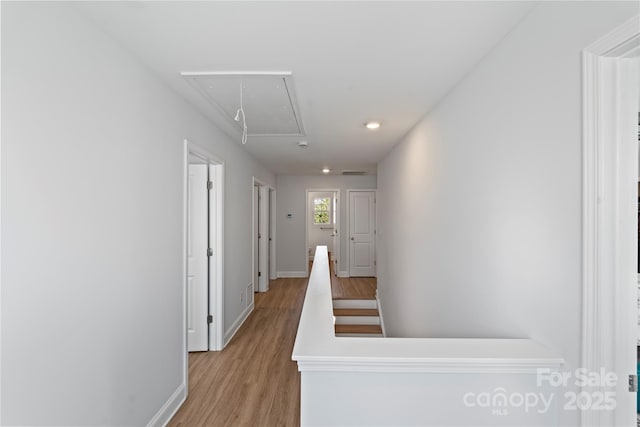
[253,381]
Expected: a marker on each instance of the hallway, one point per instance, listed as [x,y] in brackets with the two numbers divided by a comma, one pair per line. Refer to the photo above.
[253,381]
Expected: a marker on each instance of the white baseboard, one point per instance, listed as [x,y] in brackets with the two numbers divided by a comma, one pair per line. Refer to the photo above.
[384,331]
[236,325]
[343,274]
[291,274]
[170,407]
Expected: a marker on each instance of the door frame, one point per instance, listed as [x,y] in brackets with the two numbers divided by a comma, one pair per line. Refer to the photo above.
[273,274]
[336,251]
[375,227]
[610,173]
[216,225]
[267,249]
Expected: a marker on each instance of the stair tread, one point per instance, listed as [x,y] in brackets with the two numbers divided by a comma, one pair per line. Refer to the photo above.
[358,329]
[354,298]
[355,312]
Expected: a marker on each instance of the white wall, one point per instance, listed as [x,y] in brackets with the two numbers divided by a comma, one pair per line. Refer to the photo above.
[479,207]
[290,250]
[92,176]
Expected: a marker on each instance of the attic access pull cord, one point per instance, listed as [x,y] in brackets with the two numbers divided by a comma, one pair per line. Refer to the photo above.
[240,114]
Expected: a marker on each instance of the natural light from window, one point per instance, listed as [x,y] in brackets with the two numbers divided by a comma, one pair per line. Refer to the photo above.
[322,210]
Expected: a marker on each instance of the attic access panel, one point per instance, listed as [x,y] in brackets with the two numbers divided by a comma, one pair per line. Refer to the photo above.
[269,100]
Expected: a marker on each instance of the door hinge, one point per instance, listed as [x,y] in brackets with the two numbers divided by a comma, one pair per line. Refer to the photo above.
[259,274]
[209,252]
[210,319]
[209,185]
[633,383]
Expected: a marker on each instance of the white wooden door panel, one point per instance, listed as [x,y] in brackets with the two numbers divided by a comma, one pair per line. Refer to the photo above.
[362,233]
[256,240]
[263,239]
[197,264]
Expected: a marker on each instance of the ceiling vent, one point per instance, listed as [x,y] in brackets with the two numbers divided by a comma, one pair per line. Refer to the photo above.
[353,172]
[268,98]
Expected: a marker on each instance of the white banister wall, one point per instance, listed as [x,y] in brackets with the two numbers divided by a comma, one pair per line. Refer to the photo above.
[421,381]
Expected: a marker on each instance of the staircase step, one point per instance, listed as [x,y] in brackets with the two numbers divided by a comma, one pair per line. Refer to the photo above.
[354,303]
[357,320]
[355,312]
[358,329]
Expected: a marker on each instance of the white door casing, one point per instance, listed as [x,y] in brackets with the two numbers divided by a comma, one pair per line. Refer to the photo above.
[272,234]
[197,259]
[215,260]
[256,240]
[610,165]
[263,239]
[362,233]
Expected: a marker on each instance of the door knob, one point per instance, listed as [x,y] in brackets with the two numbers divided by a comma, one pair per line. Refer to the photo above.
[352,238]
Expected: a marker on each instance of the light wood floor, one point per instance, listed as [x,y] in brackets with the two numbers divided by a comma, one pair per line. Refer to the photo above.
[353,287]
[253,381]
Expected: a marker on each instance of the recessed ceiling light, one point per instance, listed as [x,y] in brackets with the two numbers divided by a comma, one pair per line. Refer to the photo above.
[303,144]
[372,125]
[326,170]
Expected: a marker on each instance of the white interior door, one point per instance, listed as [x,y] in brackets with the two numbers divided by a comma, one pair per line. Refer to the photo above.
[256,241]
[263,239]
[362,233]
[197,259]
[272,234]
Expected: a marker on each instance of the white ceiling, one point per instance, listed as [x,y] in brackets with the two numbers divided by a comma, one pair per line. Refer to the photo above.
[351,62]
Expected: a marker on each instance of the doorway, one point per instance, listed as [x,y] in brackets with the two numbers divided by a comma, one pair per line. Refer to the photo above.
[362,233]
[610,195]
[263,236]
[203,249]
[322,225]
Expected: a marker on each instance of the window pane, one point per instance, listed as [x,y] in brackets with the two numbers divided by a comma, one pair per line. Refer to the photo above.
[321,210]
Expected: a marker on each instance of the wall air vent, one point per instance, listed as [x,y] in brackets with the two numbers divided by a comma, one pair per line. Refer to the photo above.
[353,173]
[269,100]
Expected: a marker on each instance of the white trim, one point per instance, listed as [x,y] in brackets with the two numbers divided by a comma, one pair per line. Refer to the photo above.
[336,251]
[426,365]
[170,407]
[291,274]
[348,229]
[185,233]
[343,273]
[609,168]
[384,331]
[232,74]
[217,299]
[263,247]
[618,42]
[228,336]
[1,246]
[254,189]
[272,235]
